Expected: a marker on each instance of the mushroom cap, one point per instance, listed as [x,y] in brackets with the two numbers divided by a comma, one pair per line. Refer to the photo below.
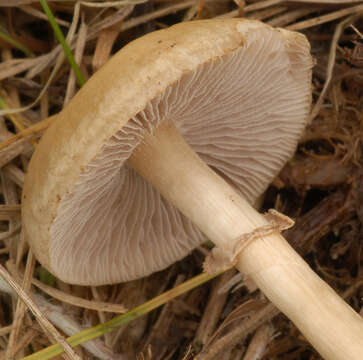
[239,92]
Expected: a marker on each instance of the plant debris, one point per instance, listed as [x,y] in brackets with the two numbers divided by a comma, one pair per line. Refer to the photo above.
[321,187]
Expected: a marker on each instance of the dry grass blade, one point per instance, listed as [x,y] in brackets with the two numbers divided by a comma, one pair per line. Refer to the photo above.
[4,250]
[290,16]
[123,319]
[163,323]
[39,14]
[261,5]
[14,174]
[266,13]
[114,19]
[9,212]
[80,45]
[14,42]
[13,67]
[44,323]
[104,46]
[6,235]
[56,53]
[80,302]
[21,303]
[213,309]
[101,314]
[25,135]
[325,18]
[156,14]
[19,146]
[57,315]
[328,2]
[14,119]
[26,339]
[12,3]
[104,4]
[253,7]
[259,342]
[239,332]
[58,64]
[332,54]
[5,330]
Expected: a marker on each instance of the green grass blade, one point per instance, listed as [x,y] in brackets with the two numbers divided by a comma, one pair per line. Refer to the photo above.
[59,35]
[123,319]
[15,43]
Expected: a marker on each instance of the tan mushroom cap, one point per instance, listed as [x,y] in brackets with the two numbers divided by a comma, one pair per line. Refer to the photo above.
[239,93]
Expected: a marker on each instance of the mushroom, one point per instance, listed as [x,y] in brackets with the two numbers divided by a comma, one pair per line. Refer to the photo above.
[207,112]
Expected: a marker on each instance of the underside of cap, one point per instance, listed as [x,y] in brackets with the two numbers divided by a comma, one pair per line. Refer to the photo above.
[241,104]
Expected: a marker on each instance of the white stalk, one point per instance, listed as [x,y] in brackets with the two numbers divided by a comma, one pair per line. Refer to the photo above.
[172,167]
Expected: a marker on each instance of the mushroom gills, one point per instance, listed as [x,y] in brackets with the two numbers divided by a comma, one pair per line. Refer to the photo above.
[225,113]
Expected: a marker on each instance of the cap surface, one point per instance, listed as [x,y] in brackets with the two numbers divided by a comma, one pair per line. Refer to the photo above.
[238,91]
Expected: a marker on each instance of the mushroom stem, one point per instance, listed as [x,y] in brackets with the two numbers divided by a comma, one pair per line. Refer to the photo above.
[171,166]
